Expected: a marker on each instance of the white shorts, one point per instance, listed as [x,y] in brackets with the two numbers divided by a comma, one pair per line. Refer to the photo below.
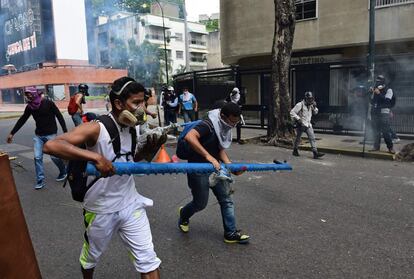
[132,226]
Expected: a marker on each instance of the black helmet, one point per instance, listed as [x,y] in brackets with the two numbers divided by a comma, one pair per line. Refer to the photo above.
[380,81]
[309,97]
[83,88]
[380,78]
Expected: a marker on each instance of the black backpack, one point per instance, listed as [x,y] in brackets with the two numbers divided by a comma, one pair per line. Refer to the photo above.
[76,169]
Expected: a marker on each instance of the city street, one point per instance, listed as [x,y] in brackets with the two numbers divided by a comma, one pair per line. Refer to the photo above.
[339,217]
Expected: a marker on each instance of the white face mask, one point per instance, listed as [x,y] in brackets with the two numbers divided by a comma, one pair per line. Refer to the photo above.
[129,119]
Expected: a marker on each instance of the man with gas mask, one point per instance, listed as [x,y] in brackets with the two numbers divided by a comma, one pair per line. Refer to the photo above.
[113,204]
[382,100]
[302,114]
[208,141]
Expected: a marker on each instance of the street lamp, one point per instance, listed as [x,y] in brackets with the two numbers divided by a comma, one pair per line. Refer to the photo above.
[165,40]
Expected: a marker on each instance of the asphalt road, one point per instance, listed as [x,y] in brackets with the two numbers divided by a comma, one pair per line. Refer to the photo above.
[340,217]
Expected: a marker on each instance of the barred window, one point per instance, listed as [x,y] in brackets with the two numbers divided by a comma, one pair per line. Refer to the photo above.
[305,9]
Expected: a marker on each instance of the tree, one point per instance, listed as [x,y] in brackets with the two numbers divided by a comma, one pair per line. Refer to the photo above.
[279,118]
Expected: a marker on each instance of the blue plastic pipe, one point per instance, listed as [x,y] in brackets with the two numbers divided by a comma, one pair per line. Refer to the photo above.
[170,168]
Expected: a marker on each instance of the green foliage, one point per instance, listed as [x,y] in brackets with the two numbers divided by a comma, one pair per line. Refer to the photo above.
[212,25]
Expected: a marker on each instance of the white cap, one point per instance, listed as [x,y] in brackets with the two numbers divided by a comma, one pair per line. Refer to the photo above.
[235,91]
[170,88]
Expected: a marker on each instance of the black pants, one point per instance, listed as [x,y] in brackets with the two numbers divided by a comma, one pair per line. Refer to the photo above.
[381,125]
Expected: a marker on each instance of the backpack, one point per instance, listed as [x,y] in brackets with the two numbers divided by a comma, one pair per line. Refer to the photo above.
[76,169]
[73,106]
[183,148]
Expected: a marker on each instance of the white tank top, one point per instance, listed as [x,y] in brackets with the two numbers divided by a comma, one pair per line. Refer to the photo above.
[112,194]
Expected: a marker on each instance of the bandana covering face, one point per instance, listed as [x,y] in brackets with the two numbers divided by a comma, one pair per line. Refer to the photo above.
[222,129]
[186,96]
[33,104]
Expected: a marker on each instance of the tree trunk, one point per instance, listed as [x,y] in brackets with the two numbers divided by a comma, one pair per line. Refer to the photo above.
[279,118]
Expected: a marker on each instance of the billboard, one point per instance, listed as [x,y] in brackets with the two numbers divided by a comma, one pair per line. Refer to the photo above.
[27,35]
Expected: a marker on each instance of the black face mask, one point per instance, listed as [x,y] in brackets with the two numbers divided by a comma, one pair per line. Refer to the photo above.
[379,84]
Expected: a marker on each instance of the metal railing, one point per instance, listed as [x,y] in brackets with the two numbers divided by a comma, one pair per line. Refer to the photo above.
[387,3]
[197,42]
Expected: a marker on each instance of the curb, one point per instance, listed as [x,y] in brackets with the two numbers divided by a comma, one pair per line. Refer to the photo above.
[350,152]
[10,116]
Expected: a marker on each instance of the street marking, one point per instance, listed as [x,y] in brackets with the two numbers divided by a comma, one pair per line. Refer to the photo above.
[13,147]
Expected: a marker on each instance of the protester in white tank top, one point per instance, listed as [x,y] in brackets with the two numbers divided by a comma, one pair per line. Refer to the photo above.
[113,204]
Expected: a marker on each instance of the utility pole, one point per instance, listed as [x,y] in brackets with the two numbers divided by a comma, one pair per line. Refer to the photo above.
[371,60]
[371,57]
[186,38]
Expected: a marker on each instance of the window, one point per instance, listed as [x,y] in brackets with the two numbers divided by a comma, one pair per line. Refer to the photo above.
[198,57]
[179,54]
[179,37]
[305,9]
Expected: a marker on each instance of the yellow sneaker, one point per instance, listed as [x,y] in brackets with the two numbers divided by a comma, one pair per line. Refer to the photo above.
[184,226]
[237,237]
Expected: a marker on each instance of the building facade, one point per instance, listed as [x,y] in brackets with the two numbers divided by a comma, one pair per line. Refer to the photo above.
[329,52]
[125,26]
[39,48]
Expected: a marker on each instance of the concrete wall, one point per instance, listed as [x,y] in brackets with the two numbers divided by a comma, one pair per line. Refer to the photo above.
[214,50]
[247,27]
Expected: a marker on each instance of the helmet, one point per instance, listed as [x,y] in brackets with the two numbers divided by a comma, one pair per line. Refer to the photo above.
[170,88]
[309,97]
[380,78]
[83,88]
[380,81]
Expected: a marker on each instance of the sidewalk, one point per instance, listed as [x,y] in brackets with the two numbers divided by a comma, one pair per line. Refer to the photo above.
[335,144]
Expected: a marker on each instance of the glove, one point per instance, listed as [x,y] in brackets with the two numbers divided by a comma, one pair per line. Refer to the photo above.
[153,144]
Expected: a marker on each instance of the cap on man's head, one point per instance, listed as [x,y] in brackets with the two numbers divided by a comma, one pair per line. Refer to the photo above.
[30,89]
[235,91]
[170,88]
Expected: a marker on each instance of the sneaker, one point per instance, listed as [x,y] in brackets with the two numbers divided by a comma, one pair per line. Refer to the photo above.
[295,153]
[184,226]
[236,237]
[40,185]
[396,140]
[61,177]
[317,155]
[391,150]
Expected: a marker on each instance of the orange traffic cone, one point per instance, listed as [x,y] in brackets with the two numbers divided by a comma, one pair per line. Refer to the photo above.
[163,156]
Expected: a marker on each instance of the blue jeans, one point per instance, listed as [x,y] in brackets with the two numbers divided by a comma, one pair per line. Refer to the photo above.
[39,141]
[200,189]
[189,115]
[77,119]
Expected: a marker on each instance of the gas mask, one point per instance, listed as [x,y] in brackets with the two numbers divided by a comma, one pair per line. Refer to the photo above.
[132,119]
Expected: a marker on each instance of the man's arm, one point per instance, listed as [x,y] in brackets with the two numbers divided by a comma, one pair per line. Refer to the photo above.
[59,116]
[193,138]
[387,98]
[65,147]
[315,109]
[224,157]
[19,124]
[294,112]
[79,102]
[195,103]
